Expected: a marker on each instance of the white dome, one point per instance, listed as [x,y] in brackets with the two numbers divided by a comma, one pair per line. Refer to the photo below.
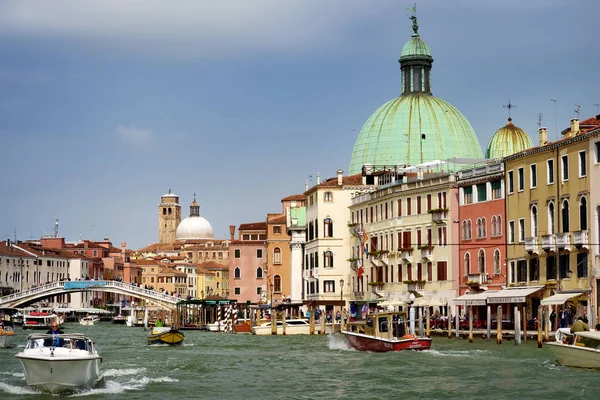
[194,227]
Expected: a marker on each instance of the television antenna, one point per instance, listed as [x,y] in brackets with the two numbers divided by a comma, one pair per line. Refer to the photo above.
[598,108]
[577,110]
[539,120]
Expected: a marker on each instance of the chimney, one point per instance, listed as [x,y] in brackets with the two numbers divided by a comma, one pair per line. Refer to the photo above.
[339,176]
[543,136]
[318,178]
[574,127]
[231,232]
[305,186]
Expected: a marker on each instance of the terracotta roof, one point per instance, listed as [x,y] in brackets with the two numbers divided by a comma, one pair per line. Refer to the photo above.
[211,265]
[40,251]
[277,219]
[253,226]
[10,251]
[294,197]
[90,245]
[154,247]
[351,180]
[248,242]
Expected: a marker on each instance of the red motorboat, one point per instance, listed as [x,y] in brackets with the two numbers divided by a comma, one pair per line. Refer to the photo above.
[385,331]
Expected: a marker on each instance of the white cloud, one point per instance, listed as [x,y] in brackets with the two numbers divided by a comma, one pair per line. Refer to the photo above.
[187,27]
[134,136]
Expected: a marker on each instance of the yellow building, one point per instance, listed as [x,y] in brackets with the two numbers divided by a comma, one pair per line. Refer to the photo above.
[547,220]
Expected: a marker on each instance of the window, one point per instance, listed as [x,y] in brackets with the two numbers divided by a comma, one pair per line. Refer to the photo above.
[429,202]
[236,253]
[277,230]
[259,253]
[565,216]
[259,290]
[563,265]
[551,267]
[328,259]
[468,195]
[481,192]
[469,230]
[467,263]
[521,177]
[418,204]
[277,255]
[597,151]
[582,265]
[328,197]
[464,230]
[237,273]
[496,190]
[551,218]
[582,164]
[521,230]
[259,273]
[534,223]
[550,171]
[494,228]
[511,231]
[277,284]
[583,225]
[533,175]
[564,163]
[534,269]
[408,206]
[481,261]
[236,291]
[329,286]
[511,183]
[522,271]
[497,262]
[328,224]
[442,270]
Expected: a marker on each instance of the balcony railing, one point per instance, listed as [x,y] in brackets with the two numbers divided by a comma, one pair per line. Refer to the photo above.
[580,240]
[549,242]
[439,216]
[477,279]
[406,254]
[426,253]
[531,245]
[416,286]
[563,241]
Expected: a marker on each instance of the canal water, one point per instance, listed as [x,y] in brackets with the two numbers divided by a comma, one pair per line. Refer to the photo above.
[226,366]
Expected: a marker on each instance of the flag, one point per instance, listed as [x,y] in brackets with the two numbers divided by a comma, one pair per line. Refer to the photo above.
[364,240]
[360,272]
[412,9]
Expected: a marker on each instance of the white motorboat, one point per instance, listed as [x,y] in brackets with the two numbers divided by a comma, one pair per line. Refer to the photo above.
[60,362]
[219,326]
[39,320]
[89,320]
[296,326]
[119,319]
[578,349]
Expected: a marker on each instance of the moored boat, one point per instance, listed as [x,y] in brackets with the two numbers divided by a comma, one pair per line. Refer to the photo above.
[383,332]
[165,335]
[60,362]
[39,320]
[7,332]
[577,349]
[295,326]
[119,319]
[89,320]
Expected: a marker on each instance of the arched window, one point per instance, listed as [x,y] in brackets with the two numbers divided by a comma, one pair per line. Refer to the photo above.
[481,261]
[164,211]
[328,225]
[499,225]
[469,229]
[328,259]
[497,262]
[259,273]
[328,197]
[467,263]
[494,229]
[277,284]
[551,218]
[478,228]
[583,225]
[170,211]
[277,255]
[534,221]
[565,216]
[483,228]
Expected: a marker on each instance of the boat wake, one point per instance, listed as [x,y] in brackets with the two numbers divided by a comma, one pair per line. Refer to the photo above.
[338,342]
[117,381]
[457,353]
[13,389]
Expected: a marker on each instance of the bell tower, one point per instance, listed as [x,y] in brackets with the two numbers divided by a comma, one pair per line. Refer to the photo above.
[169,217]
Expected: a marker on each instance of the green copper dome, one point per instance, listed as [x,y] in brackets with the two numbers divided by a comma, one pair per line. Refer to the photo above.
[416,127]
[509,139]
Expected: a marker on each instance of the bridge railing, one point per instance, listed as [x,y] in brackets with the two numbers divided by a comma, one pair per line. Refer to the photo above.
[30,292]
[147,292]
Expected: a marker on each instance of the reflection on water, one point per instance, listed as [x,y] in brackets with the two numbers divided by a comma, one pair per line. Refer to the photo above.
[224,366]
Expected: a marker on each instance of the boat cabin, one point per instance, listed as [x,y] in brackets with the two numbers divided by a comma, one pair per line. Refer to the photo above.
[78,342]
[385,325]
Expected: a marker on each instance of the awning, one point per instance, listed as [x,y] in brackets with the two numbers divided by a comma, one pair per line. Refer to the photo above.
[392,303]
[512,295]
[560,298]
[474,299]
[430,301]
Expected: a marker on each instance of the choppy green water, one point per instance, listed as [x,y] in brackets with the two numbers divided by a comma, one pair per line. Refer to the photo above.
[224,366]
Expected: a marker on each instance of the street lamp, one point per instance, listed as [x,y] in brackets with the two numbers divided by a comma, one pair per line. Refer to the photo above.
[341,294]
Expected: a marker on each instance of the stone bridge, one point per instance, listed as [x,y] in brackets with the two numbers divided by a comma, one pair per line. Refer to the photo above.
[56,288]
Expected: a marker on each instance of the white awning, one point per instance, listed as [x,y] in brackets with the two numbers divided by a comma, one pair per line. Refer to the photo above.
[386,303]
[512,295]
[474,299]
[560,298]
[430,301]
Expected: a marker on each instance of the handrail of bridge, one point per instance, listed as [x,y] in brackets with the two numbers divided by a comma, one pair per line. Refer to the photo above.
[117,284]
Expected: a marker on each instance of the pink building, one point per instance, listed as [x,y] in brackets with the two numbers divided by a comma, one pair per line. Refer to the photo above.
[247,264]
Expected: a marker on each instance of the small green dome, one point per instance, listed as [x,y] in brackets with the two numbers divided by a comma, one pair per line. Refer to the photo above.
[415,47]
[509,139]
[393,134]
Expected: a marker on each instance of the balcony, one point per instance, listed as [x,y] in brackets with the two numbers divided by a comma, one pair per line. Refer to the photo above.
[580,240]
[563,241]
[406,254]
[415,286]
[427,253]
[311,273]
[549,242]
[531,245]
[439,215]
[476,280]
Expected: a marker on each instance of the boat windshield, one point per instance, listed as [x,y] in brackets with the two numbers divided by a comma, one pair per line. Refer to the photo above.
[589,342]
[39,342]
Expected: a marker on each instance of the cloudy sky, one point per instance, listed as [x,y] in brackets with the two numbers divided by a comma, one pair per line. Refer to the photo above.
[106,104]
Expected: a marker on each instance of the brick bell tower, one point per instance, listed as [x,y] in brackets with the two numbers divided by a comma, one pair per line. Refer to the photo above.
[169,217]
